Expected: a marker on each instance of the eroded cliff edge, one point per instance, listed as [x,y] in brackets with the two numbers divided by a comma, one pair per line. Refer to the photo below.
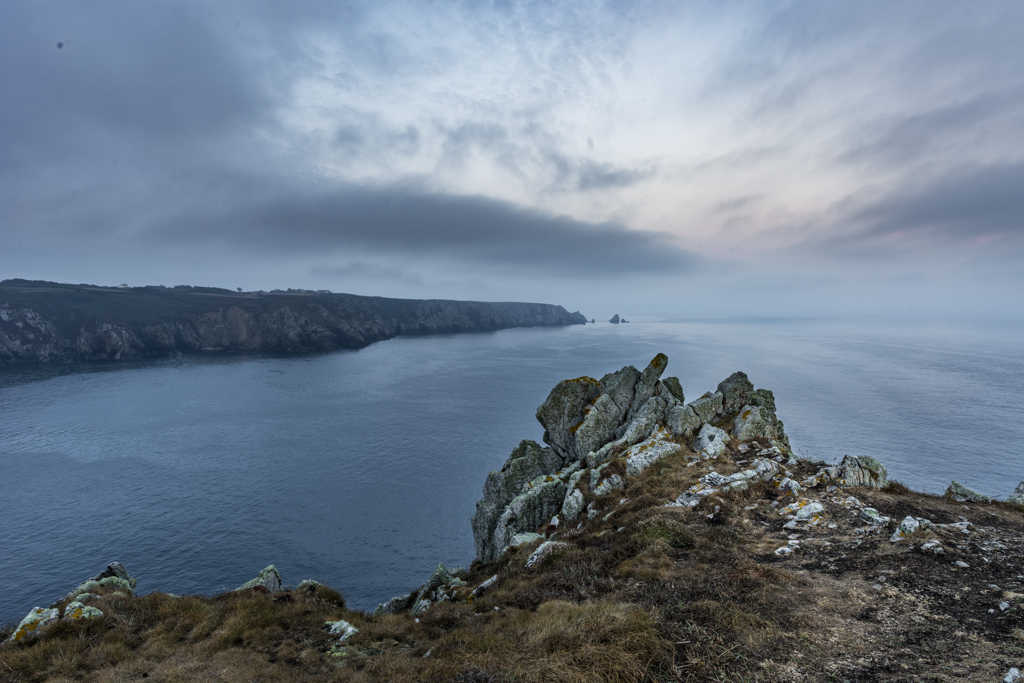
[51,322]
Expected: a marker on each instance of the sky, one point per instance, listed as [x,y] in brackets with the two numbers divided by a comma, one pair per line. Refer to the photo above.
[652,158]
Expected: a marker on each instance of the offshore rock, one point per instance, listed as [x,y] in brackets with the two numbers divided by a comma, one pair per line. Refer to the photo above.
[563,412]
[527,462]
[736,391]
[961,493]
[268,578]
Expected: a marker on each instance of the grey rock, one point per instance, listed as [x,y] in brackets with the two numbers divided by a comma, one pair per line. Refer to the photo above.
[906,529]
[340,628]
[755,422]
[962,494]
[526,512]
[34,623]
[736,391]
[76,611]
[647,384]
[525,538]
[646,419]
[612,483]
[394,605]
[545,550]
[564,410]
[674,387]
[615,319]
[599,426]
[710,441]
[483,586]
[267,578]
[862,470]
[646,453]
[1017,497]
[682,421]
[115,576]
[572,506]
[1012,676]
[708,407]
[873,517]
[527,462]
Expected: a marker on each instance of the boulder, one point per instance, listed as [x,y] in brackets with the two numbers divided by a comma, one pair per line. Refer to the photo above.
[564,410]
[675,388]
[682,421]
[268,578]
[572,506]
[862,470]
[710,441]
[962,494]
[736,391]
[527,462]
[1017,497]
[755,422]
[906,528]
[644,454]
[34,623]
[873,517]
[526,512]
[707,407]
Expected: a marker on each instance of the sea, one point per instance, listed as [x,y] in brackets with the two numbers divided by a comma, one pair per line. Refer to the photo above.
[361,469]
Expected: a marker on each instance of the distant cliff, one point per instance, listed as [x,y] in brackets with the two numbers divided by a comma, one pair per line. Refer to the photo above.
[50,322]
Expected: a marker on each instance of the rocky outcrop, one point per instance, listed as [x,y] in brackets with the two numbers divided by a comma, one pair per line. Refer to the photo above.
[962,494]
[45,321]
[628,417]
[268,579]
[440,587]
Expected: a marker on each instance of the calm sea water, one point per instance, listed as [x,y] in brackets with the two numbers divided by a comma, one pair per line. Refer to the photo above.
[361,469]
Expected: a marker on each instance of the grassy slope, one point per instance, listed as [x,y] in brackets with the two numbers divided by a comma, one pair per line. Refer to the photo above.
[648,594]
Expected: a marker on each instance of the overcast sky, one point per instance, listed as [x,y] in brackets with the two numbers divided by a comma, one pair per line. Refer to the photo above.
[662,158]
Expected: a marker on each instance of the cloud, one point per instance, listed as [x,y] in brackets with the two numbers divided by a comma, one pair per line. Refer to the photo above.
[404,221]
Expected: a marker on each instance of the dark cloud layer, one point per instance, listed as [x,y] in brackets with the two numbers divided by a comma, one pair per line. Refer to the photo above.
[410,223]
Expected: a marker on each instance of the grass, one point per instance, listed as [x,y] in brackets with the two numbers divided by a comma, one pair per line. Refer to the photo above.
[649,594]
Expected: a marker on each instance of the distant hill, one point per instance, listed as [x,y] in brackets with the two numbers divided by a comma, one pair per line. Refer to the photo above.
[52,322]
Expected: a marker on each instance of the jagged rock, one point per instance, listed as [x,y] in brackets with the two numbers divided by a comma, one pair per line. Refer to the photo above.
[563,412]
[1017,497]
[33,623]
[114,576]
[526,512]
[862,470]
[647,385]
[340,628]
[76,610]
[675,388]
[644,454]
[736,391]
[543,551]
[572,506]
[682,421]
[873,517]
[961,494]
[643,423]
[707,407]
[527,462]
[394,605]
[599,425]
[267,578]
[710,441]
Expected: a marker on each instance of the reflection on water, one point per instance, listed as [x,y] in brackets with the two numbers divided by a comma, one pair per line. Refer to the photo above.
[361,468]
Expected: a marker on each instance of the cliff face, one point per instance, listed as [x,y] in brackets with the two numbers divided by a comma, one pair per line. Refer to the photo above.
[43,321]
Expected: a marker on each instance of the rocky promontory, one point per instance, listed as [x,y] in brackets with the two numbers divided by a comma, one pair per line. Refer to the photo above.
[647,539]
[51,322]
